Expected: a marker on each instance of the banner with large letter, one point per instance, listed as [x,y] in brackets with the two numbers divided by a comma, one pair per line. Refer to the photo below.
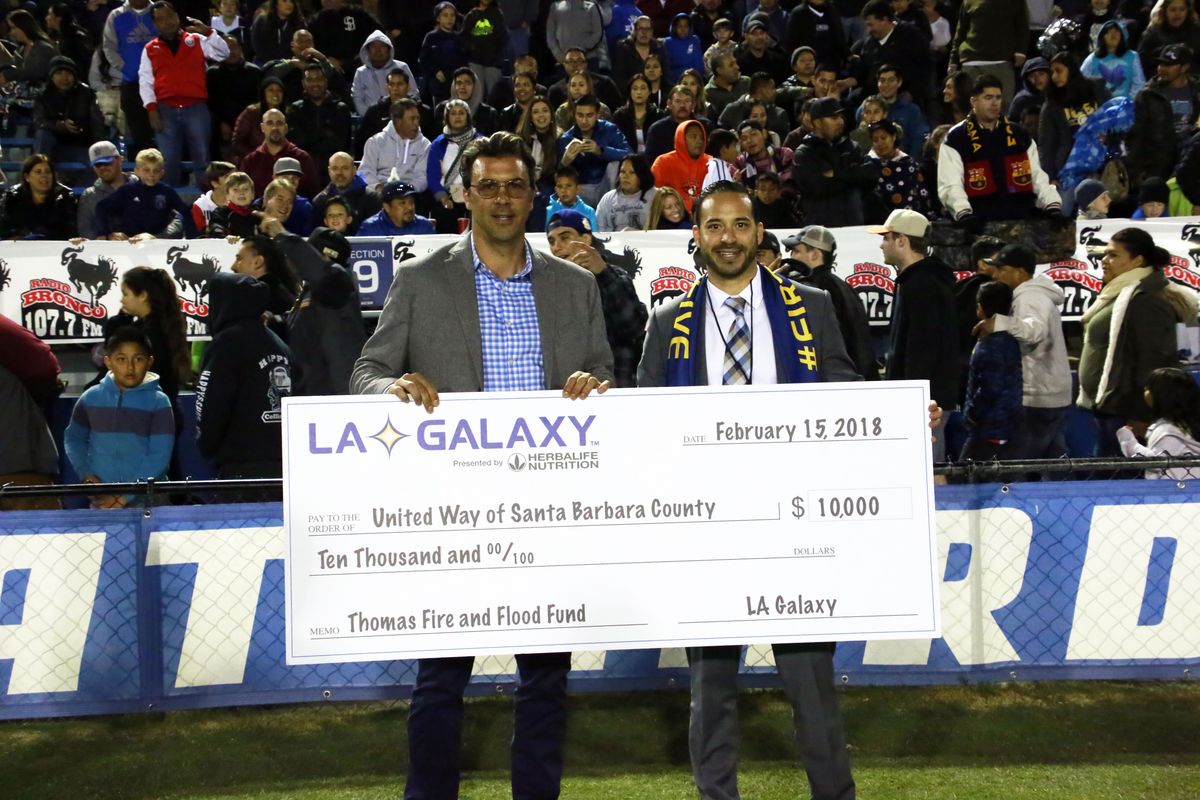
[64,292]
[113,611]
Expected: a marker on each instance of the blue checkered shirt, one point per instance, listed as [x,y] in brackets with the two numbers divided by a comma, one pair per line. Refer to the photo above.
[508,325]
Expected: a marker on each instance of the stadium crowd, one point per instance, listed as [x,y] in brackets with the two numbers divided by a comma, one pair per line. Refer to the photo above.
[925,119]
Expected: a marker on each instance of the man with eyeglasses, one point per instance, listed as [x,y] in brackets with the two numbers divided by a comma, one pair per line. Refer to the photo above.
[470,317]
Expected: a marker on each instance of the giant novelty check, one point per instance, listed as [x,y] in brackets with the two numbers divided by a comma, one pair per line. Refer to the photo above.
[525,522]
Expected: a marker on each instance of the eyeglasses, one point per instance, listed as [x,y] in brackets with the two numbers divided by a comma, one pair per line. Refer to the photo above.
[517,187]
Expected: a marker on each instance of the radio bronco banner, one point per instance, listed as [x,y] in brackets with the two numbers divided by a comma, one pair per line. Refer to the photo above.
[64,292]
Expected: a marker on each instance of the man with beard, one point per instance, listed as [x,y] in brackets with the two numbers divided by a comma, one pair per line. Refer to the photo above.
[321,123]
[742,325]
[259,163]
[443,328]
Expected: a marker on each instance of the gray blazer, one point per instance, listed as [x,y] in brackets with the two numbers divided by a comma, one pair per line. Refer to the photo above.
[832,361]
[430,324]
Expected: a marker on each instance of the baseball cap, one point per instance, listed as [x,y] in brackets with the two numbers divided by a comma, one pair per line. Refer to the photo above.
[569,218]
[330,244]
[824,107]
[905,221]
[755,24]
[395,190]
[813,236]
[287,165]
[1014,255]
[1174,54]
[769,242]
[103,153]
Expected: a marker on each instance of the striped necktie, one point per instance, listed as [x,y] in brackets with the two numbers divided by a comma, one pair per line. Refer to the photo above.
[737,349]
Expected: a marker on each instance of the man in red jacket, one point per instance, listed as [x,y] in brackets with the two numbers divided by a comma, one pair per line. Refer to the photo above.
[173,86]
[259,163]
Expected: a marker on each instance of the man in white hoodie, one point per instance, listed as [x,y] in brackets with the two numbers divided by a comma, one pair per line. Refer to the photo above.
[370,80]
[1035,322]
[399,152]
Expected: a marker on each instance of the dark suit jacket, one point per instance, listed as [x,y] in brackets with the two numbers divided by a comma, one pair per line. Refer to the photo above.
[832,362]
[430,324]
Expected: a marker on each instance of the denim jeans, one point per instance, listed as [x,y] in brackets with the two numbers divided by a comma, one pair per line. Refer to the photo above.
[46,141]
[188,123]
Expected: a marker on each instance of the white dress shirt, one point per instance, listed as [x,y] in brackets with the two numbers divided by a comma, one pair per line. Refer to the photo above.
[762,344]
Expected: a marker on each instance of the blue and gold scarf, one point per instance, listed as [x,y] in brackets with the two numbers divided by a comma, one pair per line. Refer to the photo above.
[789,332]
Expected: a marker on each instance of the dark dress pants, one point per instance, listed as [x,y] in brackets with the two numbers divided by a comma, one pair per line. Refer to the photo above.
[807,674]
[435,723]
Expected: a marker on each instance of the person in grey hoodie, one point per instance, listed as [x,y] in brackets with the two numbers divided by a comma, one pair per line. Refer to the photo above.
[399,152]
[1036,324]
[370,80]
[577,23]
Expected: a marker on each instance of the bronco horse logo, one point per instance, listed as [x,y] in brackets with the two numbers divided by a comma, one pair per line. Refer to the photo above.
[98,278]
[1094,244]
[1191,235]
[189,275]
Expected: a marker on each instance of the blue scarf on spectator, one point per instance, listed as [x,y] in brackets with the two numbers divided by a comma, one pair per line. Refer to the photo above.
[789,331]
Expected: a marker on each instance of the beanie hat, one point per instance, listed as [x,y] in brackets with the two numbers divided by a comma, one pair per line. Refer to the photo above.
[1087,192]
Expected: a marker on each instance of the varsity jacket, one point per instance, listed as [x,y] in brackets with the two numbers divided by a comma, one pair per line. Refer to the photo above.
[994,174]
[173,72]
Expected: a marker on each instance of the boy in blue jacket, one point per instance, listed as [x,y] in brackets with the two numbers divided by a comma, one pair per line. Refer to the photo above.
[145,208]
[993,407]
[122,429]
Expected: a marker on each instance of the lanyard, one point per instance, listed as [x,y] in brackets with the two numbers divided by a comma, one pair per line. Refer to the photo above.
[749,376]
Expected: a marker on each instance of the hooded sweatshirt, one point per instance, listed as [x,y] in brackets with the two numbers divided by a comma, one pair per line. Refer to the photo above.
[370,83]
[1122,75]
[1028,97]
[389,156]
[683,51]
[121,435]
[1036,323]
[245,374]
[486,35]
[679,170]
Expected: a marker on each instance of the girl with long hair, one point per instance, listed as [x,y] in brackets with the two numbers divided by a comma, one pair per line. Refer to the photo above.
[638,114]
[693,80]
[271,32]
[652,69]
[31,63]
[1113,62]
[1174,400]
[247,129]
[540,134]
[40,207]
[149,301]
[1171,22]
[1070,99]
[667,212]
[579,85]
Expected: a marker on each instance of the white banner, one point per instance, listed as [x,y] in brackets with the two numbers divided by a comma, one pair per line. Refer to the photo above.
[522,522]
[64,292]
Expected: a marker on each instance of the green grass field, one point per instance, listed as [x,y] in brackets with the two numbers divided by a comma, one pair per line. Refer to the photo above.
[1072,741]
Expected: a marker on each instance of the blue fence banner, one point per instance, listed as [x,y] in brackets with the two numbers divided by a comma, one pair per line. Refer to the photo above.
[116,611]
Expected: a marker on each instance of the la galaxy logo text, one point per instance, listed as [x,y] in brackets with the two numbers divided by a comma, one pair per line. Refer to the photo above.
[542,443]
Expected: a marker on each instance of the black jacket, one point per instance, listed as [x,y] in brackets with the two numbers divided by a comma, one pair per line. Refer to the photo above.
[852,319]
[1153,143]
[21,219]
[924,334]
[231,87]
[322,129]
[244,376]
[624,120]
[606,91]
[772,61]
[908,50]
[627,62]
[825,35]
[78,104]
[838,200]
[325,327]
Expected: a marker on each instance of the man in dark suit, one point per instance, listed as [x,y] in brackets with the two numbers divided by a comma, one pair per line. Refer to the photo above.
[761,319]
[450,322]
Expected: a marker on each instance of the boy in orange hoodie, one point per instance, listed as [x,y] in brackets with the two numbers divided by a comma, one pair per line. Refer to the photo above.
[685,168]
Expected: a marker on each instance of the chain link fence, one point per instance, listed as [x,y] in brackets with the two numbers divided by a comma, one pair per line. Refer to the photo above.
[179,606]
